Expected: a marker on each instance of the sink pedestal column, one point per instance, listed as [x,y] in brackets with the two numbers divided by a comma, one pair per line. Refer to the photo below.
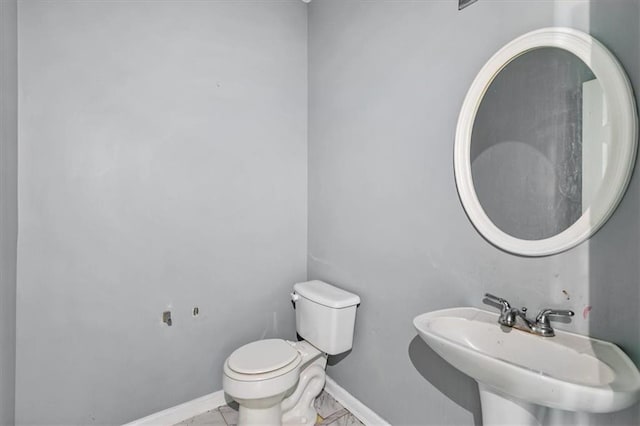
[500,409]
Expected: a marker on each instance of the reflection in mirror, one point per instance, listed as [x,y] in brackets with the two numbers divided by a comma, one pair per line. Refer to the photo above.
[539,144]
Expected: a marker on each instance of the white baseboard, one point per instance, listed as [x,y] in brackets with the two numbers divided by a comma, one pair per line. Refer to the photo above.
[185,411]
[365,414]
[181,412]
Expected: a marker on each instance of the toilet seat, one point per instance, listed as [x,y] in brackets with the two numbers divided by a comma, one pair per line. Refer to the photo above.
[262,356]
[262,369]
[263,360]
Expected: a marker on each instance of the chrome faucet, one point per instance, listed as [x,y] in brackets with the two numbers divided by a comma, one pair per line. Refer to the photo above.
[541,326]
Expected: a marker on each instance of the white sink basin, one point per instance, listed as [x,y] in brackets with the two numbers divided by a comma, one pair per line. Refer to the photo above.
[568,371]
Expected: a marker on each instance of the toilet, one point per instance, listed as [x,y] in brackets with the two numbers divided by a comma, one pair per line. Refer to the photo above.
[276,381]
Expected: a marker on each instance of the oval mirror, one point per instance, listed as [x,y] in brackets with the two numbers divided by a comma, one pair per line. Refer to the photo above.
[546,142]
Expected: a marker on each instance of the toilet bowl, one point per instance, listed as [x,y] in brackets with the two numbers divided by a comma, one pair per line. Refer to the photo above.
[275,381]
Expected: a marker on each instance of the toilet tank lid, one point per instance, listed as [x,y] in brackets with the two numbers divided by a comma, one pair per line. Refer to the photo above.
[326,294]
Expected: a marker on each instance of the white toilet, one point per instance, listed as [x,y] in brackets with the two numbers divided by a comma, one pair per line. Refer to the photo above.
[276,381]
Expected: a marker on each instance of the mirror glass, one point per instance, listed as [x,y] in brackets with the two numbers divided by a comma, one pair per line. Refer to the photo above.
[539,143]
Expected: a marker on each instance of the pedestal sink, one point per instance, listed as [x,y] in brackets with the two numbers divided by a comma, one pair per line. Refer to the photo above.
[518,372]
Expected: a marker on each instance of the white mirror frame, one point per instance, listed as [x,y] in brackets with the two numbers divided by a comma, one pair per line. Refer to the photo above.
[624,128]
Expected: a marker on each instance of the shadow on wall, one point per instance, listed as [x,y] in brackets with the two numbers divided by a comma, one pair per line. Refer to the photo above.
[334,359]
[614,270]
[454,384]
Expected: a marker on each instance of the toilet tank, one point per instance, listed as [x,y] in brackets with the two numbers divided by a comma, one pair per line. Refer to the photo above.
[325,315]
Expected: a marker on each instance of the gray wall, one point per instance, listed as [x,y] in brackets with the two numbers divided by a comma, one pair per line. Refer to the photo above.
[386,82]
[163,165]
[8,205]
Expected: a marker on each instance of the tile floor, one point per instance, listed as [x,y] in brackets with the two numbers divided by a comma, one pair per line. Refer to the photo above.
[330,413]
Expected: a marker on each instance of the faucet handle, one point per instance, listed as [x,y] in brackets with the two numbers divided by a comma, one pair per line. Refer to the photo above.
[543,316]
[499,300]
[543,323]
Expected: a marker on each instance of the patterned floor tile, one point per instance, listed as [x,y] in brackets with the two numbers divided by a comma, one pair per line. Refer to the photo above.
[210,418]
[326,405]
[346,420]
[230,414]
[333,417]
[331,413]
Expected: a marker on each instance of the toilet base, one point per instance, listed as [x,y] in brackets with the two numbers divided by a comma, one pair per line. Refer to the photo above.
[260,416]
[260,412]
[299,408]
